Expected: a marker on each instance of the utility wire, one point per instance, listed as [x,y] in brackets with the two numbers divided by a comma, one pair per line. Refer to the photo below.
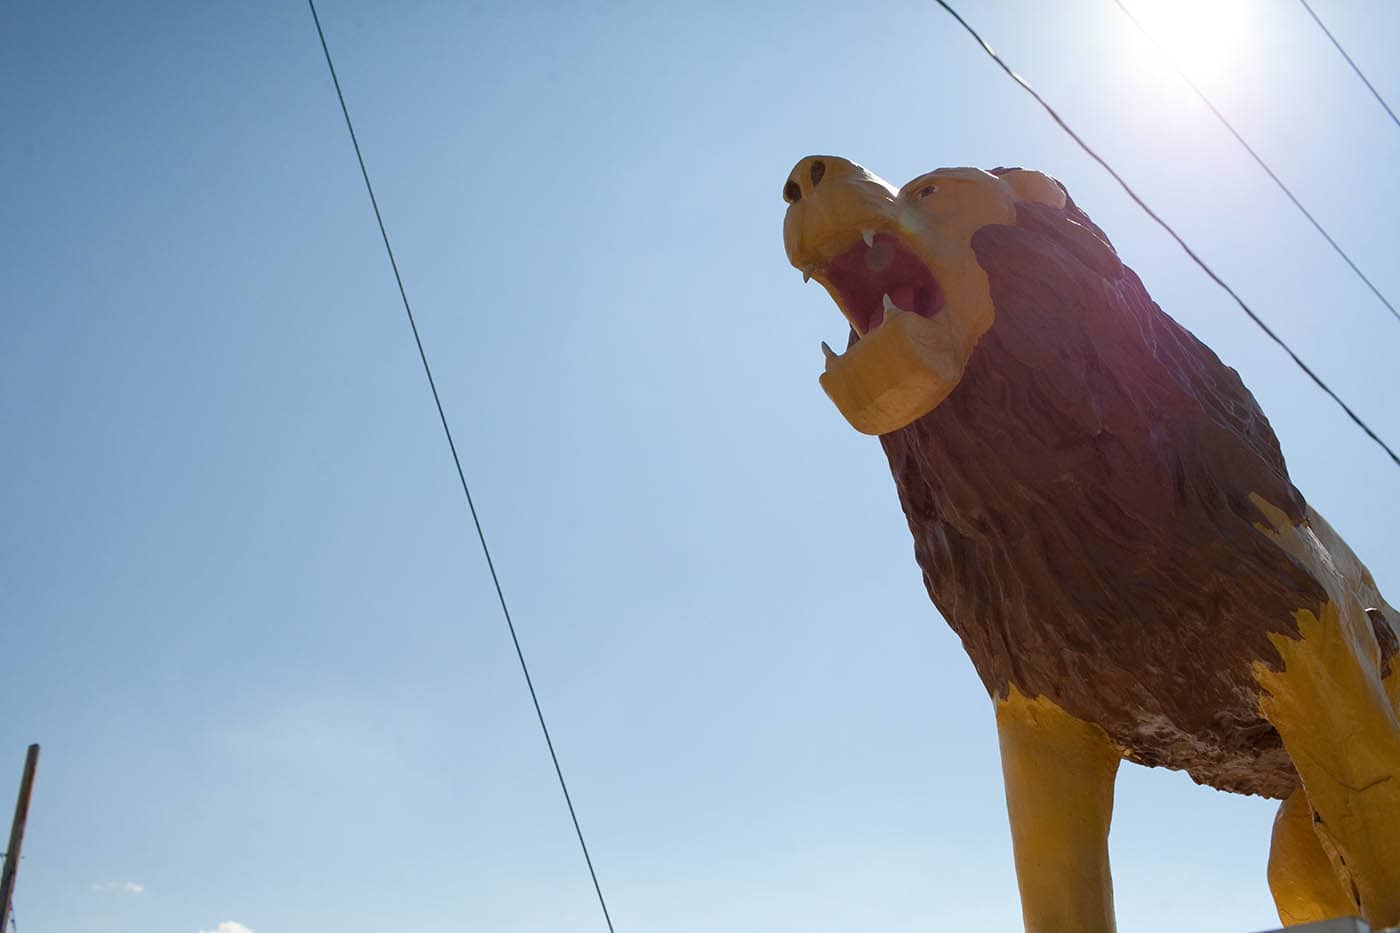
[457,461]
[1173,234]
[1260,160]
[1354,67]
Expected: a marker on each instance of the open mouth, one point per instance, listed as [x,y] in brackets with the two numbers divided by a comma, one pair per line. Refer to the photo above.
[878,276]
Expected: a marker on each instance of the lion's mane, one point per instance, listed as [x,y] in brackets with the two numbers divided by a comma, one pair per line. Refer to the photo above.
[1081,510]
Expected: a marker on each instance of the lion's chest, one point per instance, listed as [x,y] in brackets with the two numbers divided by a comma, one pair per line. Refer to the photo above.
[1093,561]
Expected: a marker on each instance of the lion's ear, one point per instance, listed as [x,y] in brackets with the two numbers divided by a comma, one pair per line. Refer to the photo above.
[1035,187]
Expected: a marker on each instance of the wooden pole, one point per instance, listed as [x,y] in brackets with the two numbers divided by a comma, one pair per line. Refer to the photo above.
[7,876]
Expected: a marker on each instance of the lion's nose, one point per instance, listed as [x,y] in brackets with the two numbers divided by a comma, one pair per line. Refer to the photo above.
[805,177]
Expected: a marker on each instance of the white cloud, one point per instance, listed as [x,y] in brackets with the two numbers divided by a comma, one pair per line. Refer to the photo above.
[228,926]
[123,887]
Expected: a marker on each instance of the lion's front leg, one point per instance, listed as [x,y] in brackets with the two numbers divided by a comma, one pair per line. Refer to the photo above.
[1329,705]
[1336,714]
[1305,886]
[1059,774]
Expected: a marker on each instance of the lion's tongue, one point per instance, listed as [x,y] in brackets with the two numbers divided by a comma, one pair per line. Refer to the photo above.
[863,275]
[903,298]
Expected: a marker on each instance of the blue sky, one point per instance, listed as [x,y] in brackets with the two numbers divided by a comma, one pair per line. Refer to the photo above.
[241,604]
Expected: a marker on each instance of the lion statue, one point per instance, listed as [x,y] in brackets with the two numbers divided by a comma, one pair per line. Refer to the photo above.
[1103,515]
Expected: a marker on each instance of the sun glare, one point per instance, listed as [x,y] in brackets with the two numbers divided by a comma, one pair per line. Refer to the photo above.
[1202,37]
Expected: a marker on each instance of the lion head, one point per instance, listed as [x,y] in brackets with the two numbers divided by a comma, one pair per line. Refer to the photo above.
[900,265]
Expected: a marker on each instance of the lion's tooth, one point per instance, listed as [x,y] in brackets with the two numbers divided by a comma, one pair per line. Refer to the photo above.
[829,353]
[868,236]
[806,274]
[890,309]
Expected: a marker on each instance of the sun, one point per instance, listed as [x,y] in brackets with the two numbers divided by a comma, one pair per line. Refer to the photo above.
[1202,37]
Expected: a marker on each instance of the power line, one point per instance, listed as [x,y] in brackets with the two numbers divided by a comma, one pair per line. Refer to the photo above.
[1354,67]
[457,461]
[1260,160]
[1173,234]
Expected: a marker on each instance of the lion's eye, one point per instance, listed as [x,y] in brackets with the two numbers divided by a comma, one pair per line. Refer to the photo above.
[927,190]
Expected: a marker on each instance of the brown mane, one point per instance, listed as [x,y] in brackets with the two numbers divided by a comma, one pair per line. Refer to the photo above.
[1080,508]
